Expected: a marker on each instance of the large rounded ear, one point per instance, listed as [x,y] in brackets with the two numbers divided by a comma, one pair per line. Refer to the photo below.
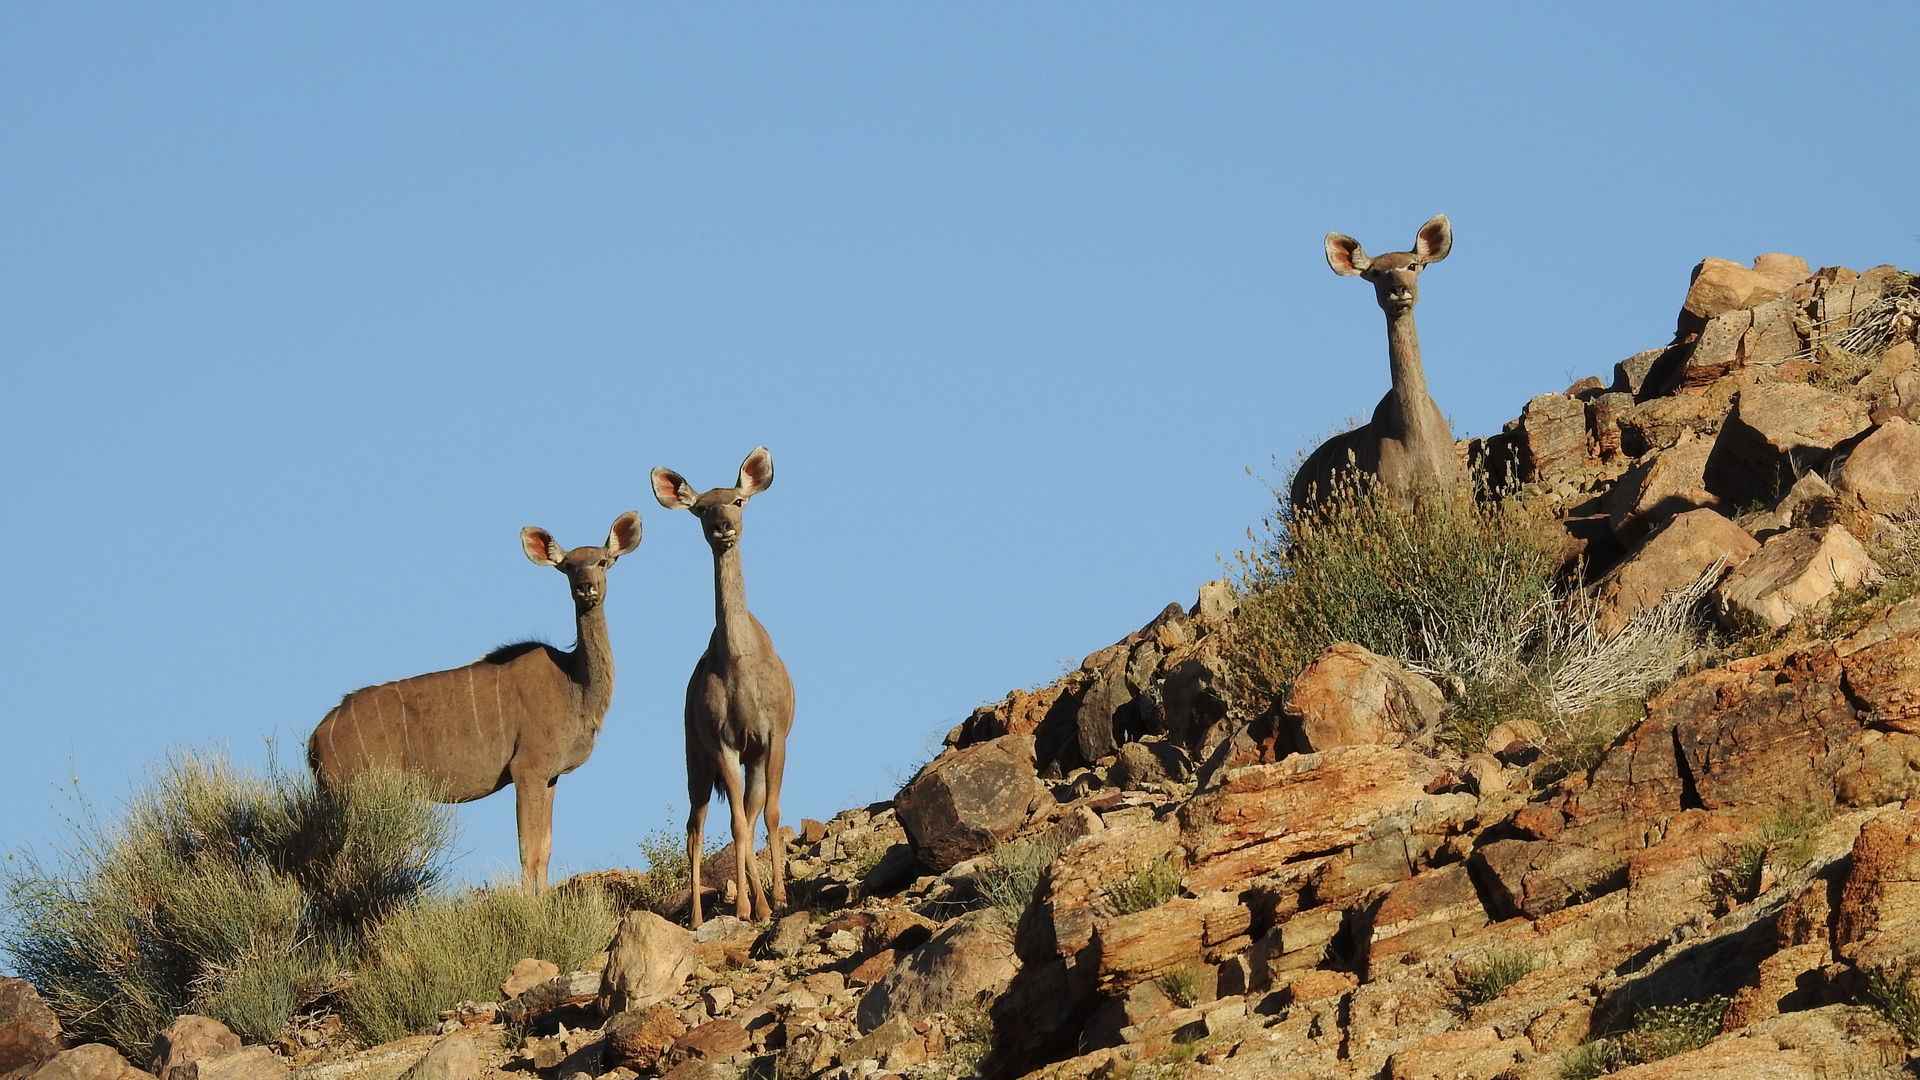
[756,473]
[1434,239]
[1345,256]
[672,489]
[625,534]
[540,546]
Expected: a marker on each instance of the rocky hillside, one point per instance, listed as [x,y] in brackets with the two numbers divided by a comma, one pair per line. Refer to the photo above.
[1138,871]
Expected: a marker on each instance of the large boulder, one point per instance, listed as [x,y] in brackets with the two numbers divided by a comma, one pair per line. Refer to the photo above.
[967,802]
[1882,662]
[29,1032]
[1675,556]
[1878,913]
[452,1058]
[1658,487]
[1349,695]
[972,957]
[1776,432]
[246,1063]
[648,961]
[1262,817]
[188,1039]
[93,1061]
[1883,470]
[1763,335]
[1720,286]
[1792,572]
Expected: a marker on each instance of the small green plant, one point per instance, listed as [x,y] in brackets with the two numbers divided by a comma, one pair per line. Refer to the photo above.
[1157,884]
[1895,992]
[1184,985]
[220,892]
[1590,1060]
[1486,978]
[665,852]
[1663,1031]
[458,947]
[1657,1032]
[1786,839]
[1012,874]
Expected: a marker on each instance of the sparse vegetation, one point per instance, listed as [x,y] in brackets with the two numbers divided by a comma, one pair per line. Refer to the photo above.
[1485,979]
[668,871]
[1157,884]
[1462,591]
[1012,873]
[1657,1032]
[1895,992]
[1786,839]
[221,892]
[1183,985]
[454,948]
[1665,1030]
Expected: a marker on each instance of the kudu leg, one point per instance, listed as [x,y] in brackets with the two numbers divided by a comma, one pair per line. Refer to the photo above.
[699,792]
[533,807]
[776,843]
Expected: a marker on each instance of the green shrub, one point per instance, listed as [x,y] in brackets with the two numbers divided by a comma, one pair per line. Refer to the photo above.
[1487,978]
[1157,884]
[1183,985]
[1786,839]
[1463,591]
[1012,874]
[1590,1060]
[453,948]
[1666,1030]
[1895,992]
[220,892]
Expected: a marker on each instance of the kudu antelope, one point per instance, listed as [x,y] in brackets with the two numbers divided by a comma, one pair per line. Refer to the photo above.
[1407,448]
[739,701]
[523,714]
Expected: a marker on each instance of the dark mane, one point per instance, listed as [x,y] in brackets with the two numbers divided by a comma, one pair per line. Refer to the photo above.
[512,651]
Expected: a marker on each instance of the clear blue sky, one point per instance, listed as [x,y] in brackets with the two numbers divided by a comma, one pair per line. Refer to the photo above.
[308,309]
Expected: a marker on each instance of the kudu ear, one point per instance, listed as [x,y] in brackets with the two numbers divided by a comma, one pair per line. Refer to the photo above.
[625,534]
[1434,239]
[756,473]
[1345,256]
[672,490]
[540,546]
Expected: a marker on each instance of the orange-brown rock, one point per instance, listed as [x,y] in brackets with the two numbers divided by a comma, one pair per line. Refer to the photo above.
[715,1040]
[92,1061]
[638,1038]
[1759,336]
[1425,912]
[1882,663]
[1673,557]
[1720,286]
[970,958]
[1465,1052]
[29,1032]
[1878,913]
[1775,432]
[649,960]
[1073,892]
[1263,817]
[1349,695]
[1133,948]
[1883,470]
[1793,572]
[188,1039]
[1659,487]
[968,801]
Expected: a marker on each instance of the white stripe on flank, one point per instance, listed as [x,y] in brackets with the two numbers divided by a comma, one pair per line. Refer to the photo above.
[353,710]
[500,717]
[406,730]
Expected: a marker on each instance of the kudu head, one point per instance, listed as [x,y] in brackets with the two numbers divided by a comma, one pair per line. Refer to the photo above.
[721,509]
[1393,274]
[585,567]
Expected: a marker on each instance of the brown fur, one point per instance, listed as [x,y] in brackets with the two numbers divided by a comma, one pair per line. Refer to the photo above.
[739,701]
[1407,447]
[523,715]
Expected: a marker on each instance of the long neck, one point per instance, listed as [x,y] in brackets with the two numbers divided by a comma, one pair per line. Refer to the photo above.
[1403,355]
[732,625]
[593,661]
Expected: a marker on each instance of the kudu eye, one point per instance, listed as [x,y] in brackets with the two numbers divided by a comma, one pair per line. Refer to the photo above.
[739,502]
